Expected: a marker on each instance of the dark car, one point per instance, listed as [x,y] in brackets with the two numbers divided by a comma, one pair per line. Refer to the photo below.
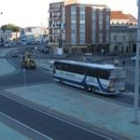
[32,43]
[15,54]
[45,50]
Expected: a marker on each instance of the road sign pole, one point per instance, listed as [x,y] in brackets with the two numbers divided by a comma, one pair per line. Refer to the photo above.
[136,97]
[24,76]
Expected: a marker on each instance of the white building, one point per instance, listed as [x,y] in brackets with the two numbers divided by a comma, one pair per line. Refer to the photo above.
[5,35]
[123,39]
[34,34]
[123,32]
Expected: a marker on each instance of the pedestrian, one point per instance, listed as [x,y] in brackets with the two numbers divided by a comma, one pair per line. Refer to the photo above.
[123,63]
[116,63]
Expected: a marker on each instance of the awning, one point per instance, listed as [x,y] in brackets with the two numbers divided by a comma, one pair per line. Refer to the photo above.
[79,46]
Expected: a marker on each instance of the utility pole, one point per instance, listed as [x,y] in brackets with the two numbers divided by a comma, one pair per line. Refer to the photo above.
[1,33]
[136,97]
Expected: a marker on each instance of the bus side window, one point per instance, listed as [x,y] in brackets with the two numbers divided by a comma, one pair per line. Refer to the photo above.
[54,69]
[104,74]
[65,67]
[72,69]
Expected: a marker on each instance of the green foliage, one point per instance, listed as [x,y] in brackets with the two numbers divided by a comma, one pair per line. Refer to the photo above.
[12,27]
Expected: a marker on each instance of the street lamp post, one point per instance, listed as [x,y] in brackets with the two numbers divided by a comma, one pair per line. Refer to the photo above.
[136,97]
[1,39]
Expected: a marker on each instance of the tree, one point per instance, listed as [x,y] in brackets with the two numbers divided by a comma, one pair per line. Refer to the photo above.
[11,27]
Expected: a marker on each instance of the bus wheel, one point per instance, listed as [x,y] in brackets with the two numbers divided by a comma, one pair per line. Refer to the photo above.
[88,88]
[94,90]
[60,80]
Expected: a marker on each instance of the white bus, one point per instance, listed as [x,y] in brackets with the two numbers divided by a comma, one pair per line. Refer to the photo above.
[98,78]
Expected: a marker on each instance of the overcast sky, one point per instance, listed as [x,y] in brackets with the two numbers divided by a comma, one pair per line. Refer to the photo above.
[35,12]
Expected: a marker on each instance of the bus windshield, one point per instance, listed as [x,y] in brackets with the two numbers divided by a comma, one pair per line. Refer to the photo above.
[118,73]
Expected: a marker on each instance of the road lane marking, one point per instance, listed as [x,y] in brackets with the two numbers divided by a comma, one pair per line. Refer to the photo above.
[33,130]
[58,118]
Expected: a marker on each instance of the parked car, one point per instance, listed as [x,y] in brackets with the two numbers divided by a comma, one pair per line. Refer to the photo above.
[32,43]
[7,44]
[44,50]
[15,54]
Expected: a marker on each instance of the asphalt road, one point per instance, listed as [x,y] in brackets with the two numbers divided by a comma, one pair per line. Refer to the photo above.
[46,124]
[26,77]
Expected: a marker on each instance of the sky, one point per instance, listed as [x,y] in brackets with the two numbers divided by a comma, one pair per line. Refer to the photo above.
[26,13]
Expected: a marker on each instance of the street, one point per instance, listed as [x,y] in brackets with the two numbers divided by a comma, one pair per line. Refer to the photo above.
[47,124]
[34,118]
[40,75]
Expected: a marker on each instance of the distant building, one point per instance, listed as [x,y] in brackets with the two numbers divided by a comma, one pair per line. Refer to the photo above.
[8,35]
[5,35]
[34,34]
[15,36]
[123,32]
[123,39]
[79,26]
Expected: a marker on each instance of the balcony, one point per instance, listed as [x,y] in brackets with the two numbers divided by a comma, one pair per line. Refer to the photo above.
[54,35]
[53,43]
[54,10]
[55,17]
[57,26]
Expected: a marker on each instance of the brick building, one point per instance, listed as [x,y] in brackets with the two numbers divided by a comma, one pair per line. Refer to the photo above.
[79,26]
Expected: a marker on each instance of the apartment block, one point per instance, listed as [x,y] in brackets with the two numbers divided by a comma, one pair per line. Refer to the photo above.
[79,26]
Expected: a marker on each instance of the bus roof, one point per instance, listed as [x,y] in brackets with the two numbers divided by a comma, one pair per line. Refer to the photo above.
[92,65]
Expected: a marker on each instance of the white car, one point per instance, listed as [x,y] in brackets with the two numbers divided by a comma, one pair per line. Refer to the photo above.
[6,45]
[134,58]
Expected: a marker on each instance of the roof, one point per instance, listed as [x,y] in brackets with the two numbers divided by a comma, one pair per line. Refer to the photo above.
[131,18]
[118,15]
[93,65]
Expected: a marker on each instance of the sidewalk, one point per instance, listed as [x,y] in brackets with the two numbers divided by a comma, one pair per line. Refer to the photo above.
[4,51]
[90,110]
[7,133]
[5,67]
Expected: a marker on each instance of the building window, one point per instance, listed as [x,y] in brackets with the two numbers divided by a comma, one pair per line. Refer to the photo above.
[82,25]
[73,37]
[93,37]
[108,22]
[82,10]
[100,38]
[116,49]
[115,38]
[107,37]
[122,49]
[93,26]
[123,38]
[73,17]
[73,10]
[82,21]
